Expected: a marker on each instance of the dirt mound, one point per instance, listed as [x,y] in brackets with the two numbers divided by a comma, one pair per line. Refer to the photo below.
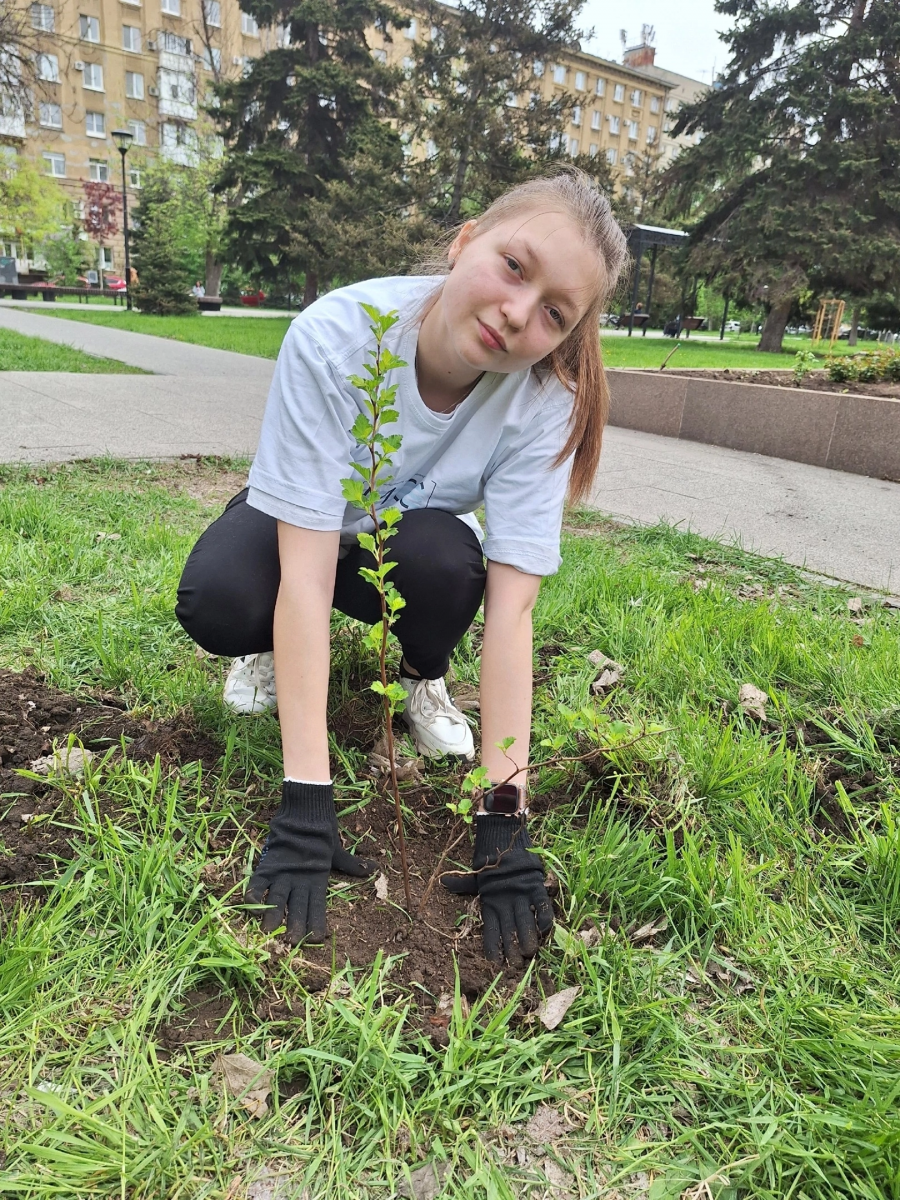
[34,717]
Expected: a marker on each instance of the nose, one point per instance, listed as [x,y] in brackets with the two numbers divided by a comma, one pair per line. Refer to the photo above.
[517,307]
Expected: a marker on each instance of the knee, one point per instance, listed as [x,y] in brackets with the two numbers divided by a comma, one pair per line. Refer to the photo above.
[440,559]
[221,615]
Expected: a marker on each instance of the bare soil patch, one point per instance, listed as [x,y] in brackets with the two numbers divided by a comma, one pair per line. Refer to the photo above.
[815,381]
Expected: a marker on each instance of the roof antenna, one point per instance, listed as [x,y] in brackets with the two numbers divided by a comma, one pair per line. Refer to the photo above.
[623,37]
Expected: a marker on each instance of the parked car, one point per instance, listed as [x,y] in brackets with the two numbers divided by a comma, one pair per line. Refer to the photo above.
[115,283]
[732,327]
[253,299]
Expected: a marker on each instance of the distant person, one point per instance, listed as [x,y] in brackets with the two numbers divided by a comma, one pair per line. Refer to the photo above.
[502,402]
[198,289]
[133,280]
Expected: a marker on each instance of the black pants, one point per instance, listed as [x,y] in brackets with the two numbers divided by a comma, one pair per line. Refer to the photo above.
[226,598]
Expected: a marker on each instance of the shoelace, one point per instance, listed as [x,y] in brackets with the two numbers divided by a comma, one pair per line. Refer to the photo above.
[262,675]
[430,699]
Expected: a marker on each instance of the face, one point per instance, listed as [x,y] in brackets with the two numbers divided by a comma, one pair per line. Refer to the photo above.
[516,291]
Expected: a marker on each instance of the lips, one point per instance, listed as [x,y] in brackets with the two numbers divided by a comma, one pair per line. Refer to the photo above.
[491,337]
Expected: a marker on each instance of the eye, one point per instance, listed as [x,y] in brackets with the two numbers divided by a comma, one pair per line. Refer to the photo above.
[512,264]
[556,315]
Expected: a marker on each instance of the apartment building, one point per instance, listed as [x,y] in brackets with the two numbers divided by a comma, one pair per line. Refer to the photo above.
[140,65]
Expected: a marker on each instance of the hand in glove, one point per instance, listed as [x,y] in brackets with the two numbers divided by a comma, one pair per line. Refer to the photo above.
[509,880]
[302,848]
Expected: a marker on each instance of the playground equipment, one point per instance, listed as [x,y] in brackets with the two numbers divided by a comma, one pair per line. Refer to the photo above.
[829,316]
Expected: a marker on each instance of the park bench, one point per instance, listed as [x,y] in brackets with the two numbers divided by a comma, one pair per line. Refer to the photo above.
[209,303]
[49,292]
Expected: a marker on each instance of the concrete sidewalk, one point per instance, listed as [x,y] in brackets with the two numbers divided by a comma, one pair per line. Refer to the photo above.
[162,356]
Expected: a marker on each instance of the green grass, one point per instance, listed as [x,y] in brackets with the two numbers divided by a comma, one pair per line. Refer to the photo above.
[21,353]
[780,1081]
[263,337]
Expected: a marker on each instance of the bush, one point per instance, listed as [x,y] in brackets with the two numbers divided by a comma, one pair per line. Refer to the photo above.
[874,366]
[161,259]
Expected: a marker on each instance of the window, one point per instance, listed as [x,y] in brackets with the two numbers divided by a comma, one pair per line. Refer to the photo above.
[249,25]
[601,87]
[412,30]
[559,73]
[134,85]
[98,170]
[380,55]
[576,115]
[48,67]
[133,3]
[636,97]
[613,124]
[611,156]
[671,104]
[655,104]
[106,258]
[651,134]
[212,12]
[89,29]
[212,58]
[56,164]
[131,38]
[633,131]
[138,132]
[574,147]
[50,116]
[134,177]
[619,93]
[512,100]
[95,124]
[42,18]
[592,150]
[92,77]
[580,80]
[595,120]
[173,43]
[538,68]
[408,65]
[172,7]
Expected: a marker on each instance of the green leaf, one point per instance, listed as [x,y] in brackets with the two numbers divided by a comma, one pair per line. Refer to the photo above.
[505,744]
[362,428]
[352,491]
[367,541]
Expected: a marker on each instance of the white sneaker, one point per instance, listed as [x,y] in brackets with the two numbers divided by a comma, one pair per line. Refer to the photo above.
[250,686]
[437,725]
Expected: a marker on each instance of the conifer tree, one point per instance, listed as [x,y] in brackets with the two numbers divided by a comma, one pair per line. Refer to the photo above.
[475,100]
[310,151]
[160,256]
[794,184]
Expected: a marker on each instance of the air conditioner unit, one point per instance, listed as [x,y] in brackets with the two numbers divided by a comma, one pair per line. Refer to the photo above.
[79,66]
[151,45]
[152,91]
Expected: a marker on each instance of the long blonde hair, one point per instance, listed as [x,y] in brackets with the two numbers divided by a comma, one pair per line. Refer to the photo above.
[577,361]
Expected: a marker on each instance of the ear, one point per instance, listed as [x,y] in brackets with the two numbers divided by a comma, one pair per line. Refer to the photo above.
[462,239]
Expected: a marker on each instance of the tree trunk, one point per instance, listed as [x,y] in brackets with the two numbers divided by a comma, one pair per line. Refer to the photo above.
[310,288]
[213,274]
[854,325]
[773,329]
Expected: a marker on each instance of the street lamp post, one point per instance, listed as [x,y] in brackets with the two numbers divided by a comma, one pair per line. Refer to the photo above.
[123,139]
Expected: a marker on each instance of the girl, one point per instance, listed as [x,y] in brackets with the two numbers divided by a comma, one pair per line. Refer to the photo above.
[503,402]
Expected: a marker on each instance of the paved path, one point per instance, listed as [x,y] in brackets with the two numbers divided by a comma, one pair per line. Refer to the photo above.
[206,401]
[224,311]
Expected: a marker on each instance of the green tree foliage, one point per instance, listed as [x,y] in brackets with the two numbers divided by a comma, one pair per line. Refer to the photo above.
[162,249]
[795,182]
[68,256]
[316,167]
[31,204]
[475,100]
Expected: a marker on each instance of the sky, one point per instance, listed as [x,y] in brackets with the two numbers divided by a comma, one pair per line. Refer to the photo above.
[686,32]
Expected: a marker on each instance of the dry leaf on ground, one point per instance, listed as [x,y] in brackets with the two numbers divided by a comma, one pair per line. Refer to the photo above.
[247,1080]
[409,770]
[552,1010]
[855,605]
[645,932]
[753,701]
[66,759]
[381,887]
[610,671]
[590,934]
[466,698]
[557,1178]
[547,1125]
[425,1183]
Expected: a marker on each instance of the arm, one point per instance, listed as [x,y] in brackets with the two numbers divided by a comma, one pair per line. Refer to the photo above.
[506,671]
[302,647]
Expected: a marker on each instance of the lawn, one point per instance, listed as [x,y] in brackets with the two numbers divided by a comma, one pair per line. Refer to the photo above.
[736,883]
[263,337]
[21,353]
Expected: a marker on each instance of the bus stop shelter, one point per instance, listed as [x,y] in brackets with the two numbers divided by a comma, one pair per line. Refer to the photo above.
[648,237]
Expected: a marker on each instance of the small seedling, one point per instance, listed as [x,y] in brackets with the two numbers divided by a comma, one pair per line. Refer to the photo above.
[363,492]
[804,362]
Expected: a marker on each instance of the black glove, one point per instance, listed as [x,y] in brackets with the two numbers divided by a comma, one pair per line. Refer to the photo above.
[302,848]
[515,907]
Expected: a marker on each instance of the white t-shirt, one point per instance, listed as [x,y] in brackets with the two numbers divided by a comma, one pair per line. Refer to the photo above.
[496,447]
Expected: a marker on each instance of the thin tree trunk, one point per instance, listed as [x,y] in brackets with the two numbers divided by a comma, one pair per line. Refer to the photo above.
[213,274]
[854,325]
[310,288]
[773,329]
